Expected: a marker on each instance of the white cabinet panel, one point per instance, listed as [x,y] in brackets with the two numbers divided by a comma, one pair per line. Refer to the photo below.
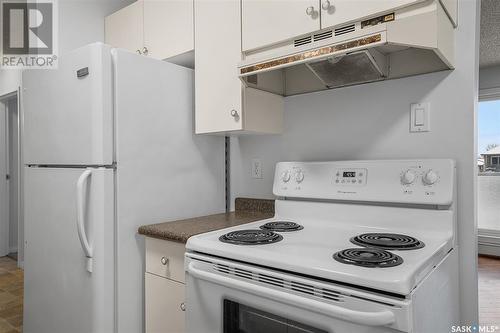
[335,12]
[165,258]
[125,28]
[218,52]
[164,305]
[168,27]
[271,21]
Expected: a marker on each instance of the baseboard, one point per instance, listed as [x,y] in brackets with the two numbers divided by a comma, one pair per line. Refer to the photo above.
[489,245]
[13,249]
[489,250]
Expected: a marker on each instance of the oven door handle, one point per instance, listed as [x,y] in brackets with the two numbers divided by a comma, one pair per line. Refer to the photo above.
[379,318]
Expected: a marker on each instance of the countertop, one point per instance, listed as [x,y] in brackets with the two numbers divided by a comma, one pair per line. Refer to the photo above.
[246,210]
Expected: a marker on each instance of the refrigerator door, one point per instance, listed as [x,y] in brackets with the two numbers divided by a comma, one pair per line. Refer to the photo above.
[60,294]
[164,171]
[68,112]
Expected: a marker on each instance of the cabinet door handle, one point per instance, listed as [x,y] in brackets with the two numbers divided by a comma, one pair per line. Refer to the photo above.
[234,113]
[138,51]
[145,51]
[164,261]
[310,10]
[183,306]
[326,5]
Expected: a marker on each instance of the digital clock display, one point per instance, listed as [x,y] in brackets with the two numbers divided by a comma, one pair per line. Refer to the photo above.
[349,174]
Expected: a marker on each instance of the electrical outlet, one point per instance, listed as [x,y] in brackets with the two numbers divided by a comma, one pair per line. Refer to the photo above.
[256,168]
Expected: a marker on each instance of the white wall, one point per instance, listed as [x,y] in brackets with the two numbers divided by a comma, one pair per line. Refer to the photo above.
[372,122]
[10,80]
[82,21]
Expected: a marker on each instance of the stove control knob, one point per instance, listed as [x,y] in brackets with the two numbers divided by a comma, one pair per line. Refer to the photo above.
[430,177]
[285,176]
[299,176]
[408,177]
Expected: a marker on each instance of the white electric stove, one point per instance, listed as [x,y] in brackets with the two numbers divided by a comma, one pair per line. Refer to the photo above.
[356,246]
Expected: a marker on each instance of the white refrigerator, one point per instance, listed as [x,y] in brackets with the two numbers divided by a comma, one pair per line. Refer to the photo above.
[109,146]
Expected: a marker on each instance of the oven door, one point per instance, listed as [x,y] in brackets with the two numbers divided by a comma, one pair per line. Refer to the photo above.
[227,297]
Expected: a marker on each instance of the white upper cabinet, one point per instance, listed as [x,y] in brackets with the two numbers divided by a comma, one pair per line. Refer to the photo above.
[222,103]
[168,27]
[158,28]
[335,12]
[125,28]
[218,99]
[270,21]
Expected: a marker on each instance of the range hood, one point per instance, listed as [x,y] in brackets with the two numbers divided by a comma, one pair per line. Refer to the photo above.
[407,42]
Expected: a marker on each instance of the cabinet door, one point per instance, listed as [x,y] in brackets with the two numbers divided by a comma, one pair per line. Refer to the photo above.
[165,309]
[125,28]
[335,12]
[168,27]
[271,21]
[218,51]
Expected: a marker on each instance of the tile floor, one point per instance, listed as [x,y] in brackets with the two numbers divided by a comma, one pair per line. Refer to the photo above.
[11,296]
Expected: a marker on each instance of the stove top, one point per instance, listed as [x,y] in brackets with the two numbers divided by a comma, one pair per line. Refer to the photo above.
[386,241]
[368,257]
[310,251]
[251,237]
[282,226]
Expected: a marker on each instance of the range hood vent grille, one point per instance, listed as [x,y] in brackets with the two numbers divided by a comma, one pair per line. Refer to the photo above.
[302,41]
[345,30]
[279,282]
[323,35]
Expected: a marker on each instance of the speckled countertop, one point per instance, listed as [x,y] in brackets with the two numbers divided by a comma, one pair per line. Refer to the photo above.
[247,210]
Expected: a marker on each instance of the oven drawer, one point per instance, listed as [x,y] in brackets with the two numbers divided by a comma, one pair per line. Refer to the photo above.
[165,258]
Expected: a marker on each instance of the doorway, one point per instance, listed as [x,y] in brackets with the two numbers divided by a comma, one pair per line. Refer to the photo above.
[11,232]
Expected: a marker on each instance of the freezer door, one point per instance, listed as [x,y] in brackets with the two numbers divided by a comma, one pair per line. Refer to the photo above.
[164,171]
[60,294]
[68,115]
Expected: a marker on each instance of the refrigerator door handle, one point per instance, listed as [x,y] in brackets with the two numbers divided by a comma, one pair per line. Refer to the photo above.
[80,217]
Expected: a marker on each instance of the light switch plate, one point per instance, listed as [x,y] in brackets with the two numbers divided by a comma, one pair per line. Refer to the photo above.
[420,117]
[256,168]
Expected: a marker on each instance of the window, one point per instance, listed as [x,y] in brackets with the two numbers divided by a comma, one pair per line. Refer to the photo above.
[240,318]
[488,182]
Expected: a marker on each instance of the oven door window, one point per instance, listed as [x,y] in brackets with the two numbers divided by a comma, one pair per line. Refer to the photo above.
[239,318]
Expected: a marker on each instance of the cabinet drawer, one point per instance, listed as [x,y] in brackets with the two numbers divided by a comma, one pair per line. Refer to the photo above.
[165,258]
[165,308]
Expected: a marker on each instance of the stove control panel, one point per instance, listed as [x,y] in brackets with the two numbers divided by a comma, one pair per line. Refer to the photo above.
[396,181]
[351,177]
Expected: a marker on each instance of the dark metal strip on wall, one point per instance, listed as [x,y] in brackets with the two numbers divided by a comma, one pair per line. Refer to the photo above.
[227,164]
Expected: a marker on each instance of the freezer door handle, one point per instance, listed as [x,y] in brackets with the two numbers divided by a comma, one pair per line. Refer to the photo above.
[80,217]
[377,318]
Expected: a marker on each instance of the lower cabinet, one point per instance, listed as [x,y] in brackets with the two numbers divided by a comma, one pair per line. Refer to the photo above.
[165,308]
[165,289]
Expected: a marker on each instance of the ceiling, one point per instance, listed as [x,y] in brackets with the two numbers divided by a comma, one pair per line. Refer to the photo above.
[489,52]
